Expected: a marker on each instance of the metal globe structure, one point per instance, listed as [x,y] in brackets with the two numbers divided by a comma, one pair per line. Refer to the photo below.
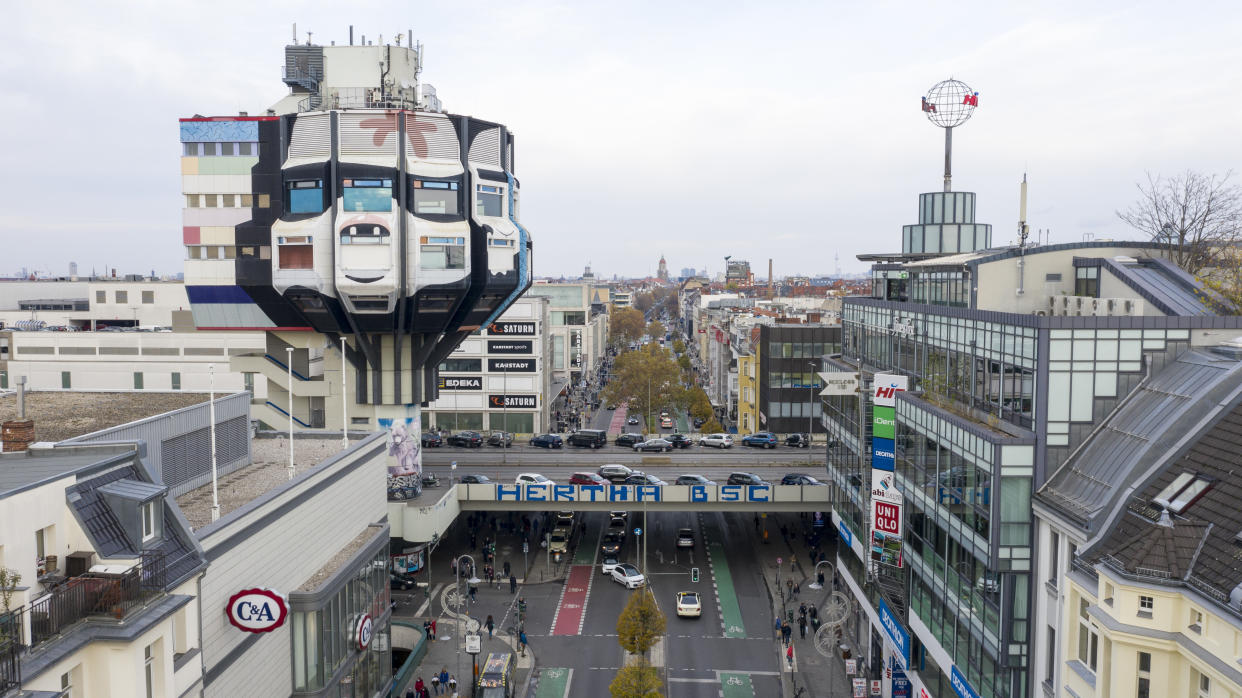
[952,108]
[949,104]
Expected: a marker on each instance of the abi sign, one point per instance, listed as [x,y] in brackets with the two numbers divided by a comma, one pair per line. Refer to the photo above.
[257,610]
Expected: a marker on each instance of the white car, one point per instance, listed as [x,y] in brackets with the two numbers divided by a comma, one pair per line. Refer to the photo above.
[717,440]
[688,604]
[532,479]
[685,538]
[628,576]
[666,422]
[609,564]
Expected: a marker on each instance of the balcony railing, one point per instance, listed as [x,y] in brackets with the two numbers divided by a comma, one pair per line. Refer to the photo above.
[89,595]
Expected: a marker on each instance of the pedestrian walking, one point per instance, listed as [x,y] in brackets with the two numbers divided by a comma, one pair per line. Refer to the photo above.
[512,584]
[491,624]
[789,655]
[427,630]
[814,613]
[786,632]
[473,591]
[797,589]
[433,628]
[444,677]
[453,684]
[419,686]
[802,626]
[777,628]
[435,684]
[507,570]
[802,609]
[789,587]
[409,693]
[522,642]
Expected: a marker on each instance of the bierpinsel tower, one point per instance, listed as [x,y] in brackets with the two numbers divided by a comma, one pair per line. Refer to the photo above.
[360,225]
[947,218]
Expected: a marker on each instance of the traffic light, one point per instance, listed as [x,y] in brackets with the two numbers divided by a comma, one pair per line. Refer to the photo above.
[694,574]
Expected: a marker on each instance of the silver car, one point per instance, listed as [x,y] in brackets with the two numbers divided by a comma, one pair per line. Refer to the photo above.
[717,440]
[628,576]
[654,445]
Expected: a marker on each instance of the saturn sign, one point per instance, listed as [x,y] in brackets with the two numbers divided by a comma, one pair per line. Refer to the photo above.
[257,610]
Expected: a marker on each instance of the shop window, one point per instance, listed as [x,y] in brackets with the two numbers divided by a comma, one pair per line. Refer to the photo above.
[436,197]
[362,195]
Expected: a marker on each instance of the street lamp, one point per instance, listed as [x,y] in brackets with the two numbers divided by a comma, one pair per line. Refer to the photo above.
[461,625]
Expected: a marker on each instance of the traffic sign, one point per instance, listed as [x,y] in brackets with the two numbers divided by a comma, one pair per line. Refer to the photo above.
[638,531]
[778,561]
[525,547]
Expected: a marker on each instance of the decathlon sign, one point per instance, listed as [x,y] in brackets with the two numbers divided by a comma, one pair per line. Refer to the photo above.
[896,634]
[257,610]
[960,685]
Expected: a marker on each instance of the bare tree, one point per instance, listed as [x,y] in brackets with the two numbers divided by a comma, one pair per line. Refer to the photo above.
[1198,215]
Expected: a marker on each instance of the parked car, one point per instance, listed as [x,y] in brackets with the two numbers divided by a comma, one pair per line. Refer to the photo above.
[654,445]
[741,478]
[717,440]
[801,479]
[685,538]
[615,472]
[698,422]
[629,439]
[466,439]
[400,582]
[798,440]
[586,479]
[693,480]
[688,604]
[475,480]
[611,407]
[500,439]
[547,441]
[432,440]
[666,422]
[632,420]
[679,440]
[531,479]
[588,438]
[761,439]
[628,576]
[608,564]
[641,478]
[610,544]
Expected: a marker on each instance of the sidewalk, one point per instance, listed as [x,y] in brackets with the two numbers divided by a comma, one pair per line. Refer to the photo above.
[815,675]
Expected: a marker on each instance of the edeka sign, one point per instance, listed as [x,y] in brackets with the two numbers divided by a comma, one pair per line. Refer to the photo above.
[629,493]
[896,634]
[960,685]
[461,383]
[882,454]
[884,422]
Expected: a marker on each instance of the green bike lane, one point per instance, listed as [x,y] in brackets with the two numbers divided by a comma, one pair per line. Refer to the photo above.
[554,682]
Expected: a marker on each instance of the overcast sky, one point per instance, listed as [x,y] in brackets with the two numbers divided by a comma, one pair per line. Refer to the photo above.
[789,131]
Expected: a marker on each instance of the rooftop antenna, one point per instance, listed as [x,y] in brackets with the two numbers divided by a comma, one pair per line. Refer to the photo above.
[351,35]
[1023,232]
[398,39]
[308,38]
[295,32]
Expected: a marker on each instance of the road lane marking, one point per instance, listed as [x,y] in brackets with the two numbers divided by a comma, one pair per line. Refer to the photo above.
[735,685]
[726,597]
[554,682]
[571,609]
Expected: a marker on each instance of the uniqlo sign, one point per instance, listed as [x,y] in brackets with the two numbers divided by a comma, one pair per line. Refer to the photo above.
[888,518]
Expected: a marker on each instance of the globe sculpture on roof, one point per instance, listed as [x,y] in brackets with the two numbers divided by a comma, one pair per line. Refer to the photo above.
[948,104]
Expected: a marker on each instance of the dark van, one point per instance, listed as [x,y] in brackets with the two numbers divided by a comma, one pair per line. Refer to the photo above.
[588,438]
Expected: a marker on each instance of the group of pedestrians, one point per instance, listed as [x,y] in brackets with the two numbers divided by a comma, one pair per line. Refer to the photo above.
[442,683]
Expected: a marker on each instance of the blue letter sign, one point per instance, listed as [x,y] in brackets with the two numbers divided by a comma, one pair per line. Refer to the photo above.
[896,634]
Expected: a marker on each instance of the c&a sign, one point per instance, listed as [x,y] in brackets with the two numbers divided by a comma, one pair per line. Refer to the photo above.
[257,610]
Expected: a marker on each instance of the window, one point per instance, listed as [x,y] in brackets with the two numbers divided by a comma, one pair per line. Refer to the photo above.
[137,380]
[247,149]
[461,365]
[209,149]
[367,195]
[148,521]
[442,252]
[296,256]
[121,296]
[488,201]
[360,420]
[1050,661]
[1186,489]
[1144,675]
[248,382]
[1147,605]
[191,201]
[436,197]
[211,200]
[1054,548]
[364,235]
[304,196]
[1108,593]
[148,669]
[193,252]
[101,296]
[64,380]
[1196,620]
[1205,685]
[1088,640]
[148,297]
[265,200]
[66,684]
[40,546]
[189,149]
[1087,281]
[176,381]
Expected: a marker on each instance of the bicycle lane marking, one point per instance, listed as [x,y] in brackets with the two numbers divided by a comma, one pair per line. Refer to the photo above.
[736,686]
[571,610]
[726,597]
[554,682]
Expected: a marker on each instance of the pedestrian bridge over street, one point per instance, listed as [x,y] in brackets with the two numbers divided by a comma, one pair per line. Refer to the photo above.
[418,520]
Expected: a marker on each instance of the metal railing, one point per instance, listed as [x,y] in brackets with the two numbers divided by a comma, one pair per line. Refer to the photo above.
[10,651]
[87,595]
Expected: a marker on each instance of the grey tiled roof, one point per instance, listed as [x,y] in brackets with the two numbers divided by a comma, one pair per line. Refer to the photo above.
[1138,436]
[1199,546]
[136,490]
[1167,286]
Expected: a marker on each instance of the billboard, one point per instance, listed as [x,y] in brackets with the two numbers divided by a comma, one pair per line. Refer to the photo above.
[511,328]
[886,533]
[405,456]
[507,365]
[515,346]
